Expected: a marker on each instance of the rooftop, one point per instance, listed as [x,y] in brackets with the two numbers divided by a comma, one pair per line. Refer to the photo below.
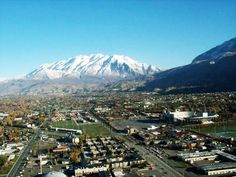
[218,166]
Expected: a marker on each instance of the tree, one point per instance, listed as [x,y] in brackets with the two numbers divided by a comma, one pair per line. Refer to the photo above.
[13,134]
[41,119]
[7,121]
[34,152]
[3,160]
[74,155]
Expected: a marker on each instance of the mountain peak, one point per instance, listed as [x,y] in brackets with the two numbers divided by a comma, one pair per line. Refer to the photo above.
[95,65]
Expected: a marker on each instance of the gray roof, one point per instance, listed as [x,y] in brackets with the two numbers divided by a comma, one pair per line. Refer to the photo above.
[218,166]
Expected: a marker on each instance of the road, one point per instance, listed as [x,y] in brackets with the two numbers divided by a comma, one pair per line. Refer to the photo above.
[15,169]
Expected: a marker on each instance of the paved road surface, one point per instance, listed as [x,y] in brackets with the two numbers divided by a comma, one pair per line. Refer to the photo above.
[15,169]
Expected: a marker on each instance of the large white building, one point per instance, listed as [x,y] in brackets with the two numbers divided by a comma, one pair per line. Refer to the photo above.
[177,115]
[205,116]
[180,116]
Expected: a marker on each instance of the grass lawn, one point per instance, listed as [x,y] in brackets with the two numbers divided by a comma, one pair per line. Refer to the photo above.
[70,124]
[92,130]
[221,130]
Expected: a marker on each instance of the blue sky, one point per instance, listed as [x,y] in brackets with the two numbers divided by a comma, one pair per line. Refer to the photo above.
[166,33]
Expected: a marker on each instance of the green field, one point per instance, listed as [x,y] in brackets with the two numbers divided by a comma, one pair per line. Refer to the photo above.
[220,130]
[69,124]
[93,130]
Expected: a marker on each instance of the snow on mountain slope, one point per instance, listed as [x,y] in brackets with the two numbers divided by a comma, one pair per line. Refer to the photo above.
[3,79]
[97,65]
[7,79]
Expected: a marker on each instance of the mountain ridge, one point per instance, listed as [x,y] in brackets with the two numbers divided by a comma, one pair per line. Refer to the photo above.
[84,72]
[227,48]
[97,65]
[212,71]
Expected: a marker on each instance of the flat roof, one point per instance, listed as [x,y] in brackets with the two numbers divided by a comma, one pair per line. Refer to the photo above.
[197,154]
[218,166]
[226,155]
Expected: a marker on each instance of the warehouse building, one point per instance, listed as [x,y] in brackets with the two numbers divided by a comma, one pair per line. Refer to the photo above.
[219,168]
[197,156]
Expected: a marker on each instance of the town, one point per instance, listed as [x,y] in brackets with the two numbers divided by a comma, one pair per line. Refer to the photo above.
[117,88]
[118,134]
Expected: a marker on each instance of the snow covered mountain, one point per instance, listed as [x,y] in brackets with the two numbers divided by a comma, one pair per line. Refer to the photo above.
[98,65]
[81,73]
[2,79]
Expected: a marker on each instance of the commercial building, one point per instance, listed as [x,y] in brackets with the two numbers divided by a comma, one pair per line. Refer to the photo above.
[197,156]
[227,165]
[189,116]
[218,168]
[177,115]
[203,117]
[66,130]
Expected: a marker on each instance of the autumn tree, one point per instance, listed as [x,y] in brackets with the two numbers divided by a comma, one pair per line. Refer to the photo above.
[13,135]
[74,155]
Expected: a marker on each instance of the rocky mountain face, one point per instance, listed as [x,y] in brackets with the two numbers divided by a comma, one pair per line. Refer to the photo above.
[228,48]
[212,71]
[83,72]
